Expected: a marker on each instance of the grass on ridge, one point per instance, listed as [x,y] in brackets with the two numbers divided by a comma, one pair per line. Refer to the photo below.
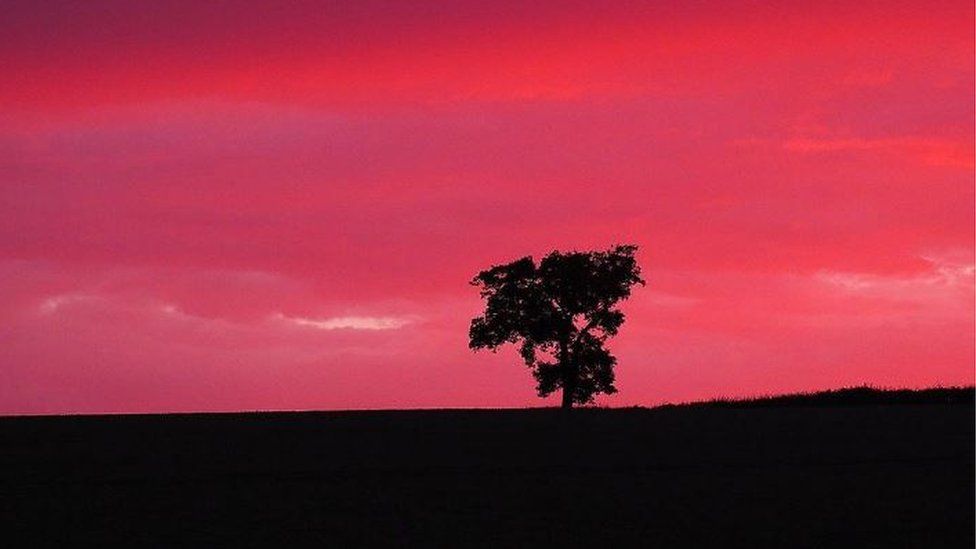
[848,396]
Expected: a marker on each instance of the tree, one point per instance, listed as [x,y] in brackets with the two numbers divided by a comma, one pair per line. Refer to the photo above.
[560,313]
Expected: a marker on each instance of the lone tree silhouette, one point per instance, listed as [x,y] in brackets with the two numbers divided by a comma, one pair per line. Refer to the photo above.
[560,312]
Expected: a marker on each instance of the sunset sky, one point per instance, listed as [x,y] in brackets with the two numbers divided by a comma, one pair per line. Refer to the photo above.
[279,205]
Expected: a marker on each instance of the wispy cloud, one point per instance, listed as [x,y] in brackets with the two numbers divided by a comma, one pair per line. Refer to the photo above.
[348,322]
[943,282]
[935,152]
[53,303]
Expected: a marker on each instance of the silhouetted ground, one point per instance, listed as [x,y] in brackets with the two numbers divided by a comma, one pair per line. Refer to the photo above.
[866,475]
[852,396]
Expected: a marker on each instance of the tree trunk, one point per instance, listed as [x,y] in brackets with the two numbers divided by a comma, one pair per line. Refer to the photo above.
[567,397]
[569,375]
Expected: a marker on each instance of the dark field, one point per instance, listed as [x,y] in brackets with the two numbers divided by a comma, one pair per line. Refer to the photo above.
[857,476]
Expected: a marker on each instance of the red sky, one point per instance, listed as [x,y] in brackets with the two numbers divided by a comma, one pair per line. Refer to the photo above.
[278,205]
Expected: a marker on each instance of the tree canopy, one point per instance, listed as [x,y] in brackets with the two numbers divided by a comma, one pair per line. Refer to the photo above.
[560,312]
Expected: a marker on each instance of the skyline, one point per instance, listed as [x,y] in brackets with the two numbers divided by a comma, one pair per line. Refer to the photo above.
[280,206]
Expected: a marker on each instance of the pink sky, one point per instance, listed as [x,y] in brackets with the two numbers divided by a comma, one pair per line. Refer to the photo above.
[273,205]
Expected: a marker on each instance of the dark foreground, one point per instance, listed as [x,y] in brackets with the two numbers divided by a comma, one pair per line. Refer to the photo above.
[855,476]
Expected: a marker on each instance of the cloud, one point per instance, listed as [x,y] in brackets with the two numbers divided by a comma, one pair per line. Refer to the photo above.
[944,280]
[348,322]
[56,302]
[935,152]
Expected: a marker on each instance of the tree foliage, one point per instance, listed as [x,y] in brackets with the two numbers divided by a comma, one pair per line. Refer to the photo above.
[560,313]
